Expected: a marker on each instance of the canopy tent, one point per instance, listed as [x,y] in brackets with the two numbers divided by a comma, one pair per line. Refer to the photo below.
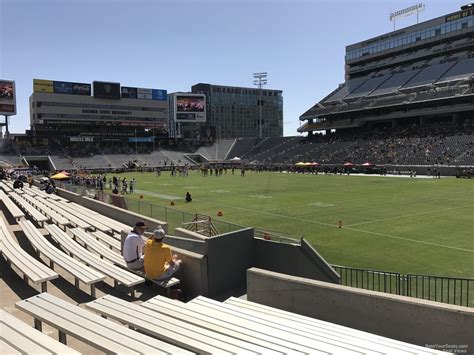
[235,159]
[65,173]
[348,164]
[315,164]
[300,164]
[60,176]
[308,164]
[367,164]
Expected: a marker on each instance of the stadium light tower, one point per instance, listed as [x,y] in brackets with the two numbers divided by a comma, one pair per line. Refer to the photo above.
[415,9]
[260,79]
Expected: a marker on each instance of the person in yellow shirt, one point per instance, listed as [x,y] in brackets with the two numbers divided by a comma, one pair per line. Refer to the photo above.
[160,264]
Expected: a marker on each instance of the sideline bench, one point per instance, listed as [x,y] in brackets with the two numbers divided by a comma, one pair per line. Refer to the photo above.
[176,332]
[90,328]
[183,312]
[33,212]
[31,268]
[18,337]
[11,207]
[55,217]
[90,242]
[62,211]
[80,271]
[116,273]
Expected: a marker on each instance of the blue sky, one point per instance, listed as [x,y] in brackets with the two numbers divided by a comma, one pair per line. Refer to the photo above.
[173,44]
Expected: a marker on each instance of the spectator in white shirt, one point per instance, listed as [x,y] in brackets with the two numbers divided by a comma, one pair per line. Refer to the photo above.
[133,247]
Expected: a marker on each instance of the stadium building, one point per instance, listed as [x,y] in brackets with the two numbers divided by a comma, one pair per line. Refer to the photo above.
[64,112]
[235,111]
[412,76]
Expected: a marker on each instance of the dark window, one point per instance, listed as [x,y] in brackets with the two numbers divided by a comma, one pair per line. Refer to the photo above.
[438,32]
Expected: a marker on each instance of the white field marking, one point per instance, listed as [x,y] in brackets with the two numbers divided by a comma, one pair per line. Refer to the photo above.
[261,197]
[267,213]
[220,191]
[409,240]
[348,228]
[163,196]
[408,215]
[321,204]
[190,187]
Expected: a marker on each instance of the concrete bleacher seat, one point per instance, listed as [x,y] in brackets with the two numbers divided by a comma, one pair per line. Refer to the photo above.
[31,268]
[29,209]
[5,187]
[90,328]
[116,273]
[111,242]
[57,207]
[11,207]
[55,217]
[90,242]
[72,266]
[93,220]
[367,341]
[114,225]
[182,312]
[18,337]
[331,338]
[171,330]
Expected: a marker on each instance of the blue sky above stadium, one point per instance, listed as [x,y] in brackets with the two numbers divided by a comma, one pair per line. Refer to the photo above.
[174,44]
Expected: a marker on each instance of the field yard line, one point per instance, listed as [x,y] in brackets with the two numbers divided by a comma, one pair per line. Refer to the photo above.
[163,196]
[348,228]
[270,214]
[409,240]
[408,215]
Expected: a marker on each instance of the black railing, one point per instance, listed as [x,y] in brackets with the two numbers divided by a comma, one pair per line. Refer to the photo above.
[452,290]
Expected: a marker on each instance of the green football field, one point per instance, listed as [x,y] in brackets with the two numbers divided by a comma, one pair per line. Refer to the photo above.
[405,225]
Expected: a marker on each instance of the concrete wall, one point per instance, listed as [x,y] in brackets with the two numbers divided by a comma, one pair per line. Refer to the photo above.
[184,233]
[403,318]
[193,273]
[119,214]
[195,246]
[229,256]
[293,259]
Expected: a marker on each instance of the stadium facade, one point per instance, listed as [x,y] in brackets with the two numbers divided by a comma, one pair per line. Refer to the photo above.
[63,112]
[419,74]
[235,112]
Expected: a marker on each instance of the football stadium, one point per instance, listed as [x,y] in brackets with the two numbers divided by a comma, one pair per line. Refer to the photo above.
[141,220]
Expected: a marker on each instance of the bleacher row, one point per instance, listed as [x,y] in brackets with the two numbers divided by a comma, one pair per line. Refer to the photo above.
[90,253]
[201,326]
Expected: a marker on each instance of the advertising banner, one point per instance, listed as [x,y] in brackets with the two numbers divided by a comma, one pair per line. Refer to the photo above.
[141,139]
[81,139]
[62,87]
[144,94]
[7,98]
[129,93]
[160,95]
[81,89]
[43,86]
[106,90]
